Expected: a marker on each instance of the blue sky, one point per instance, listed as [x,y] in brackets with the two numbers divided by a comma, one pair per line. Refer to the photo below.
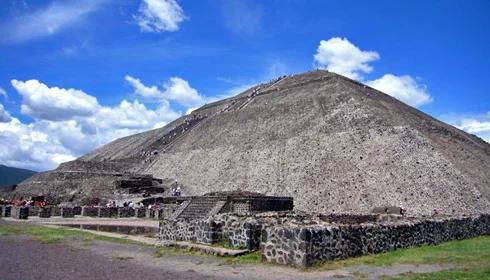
[77,74]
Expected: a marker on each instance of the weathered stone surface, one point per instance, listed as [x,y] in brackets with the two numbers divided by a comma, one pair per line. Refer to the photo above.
[304,239]
[6,210]
[44,212]
[67,212]
[19,212]
[125,212]
[90,211]
[108,212]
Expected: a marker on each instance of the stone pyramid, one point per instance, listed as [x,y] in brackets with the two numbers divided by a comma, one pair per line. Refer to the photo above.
[332,143]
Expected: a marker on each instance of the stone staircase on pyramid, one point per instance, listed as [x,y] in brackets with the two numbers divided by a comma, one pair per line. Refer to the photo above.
[200,207]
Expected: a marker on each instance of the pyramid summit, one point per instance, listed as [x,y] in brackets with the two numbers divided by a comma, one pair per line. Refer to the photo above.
[333,144]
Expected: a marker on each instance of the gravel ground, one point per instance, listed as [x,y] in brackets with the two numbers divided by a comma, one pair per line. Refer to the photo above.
[75,258]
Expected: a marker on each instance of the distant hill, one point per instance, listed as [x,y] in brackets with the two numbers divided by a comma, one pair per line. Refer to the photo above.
[12,175]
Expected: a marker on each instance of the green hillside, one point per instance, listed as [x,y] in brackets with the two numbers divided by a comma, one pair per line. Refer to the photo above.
[12,175]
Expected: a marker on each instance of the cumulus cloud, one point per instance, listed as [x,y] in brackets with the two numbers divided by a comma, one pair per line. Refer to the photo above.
[474,124]
[404,88]
[176,89]
[159,16]
[53,103]
[341,56]
[3,93]
[4,115]
[47,21]
[69,123]
[29,146]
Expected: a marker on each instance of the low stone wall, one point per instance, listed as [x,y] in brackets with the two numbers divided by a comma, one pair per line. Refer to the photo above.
[19,213]
[5,210]
[237,231]
[55,211]
[304,245]
[108,212]
[77,210]
[140,212]
[44,212]
[33,211]
[125,212]
[305,239]
[67,212]
[90,211]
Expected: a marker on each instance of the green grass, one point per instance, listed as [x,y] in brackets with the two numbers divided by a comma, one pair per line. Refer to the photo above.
[470,258]
[250,258]
[226,244]
[54,235]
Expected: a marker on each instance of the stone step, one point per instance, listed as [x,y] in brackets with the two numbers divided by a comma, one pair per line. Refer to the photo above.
[223,252]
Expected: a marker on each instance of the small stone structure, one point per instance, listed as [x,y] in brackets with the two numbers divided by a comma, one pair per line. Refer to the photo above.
[44,212]
[200,207]
[67,212]
[33,211]
[107,212]
[19,212]
[90,211]
[55,211]
[140,212]
[5,210]
[303,239]
[125,212]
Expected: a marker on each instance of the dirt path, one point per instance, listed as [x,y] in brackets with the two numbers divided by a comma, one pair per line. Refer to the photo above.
[75,258]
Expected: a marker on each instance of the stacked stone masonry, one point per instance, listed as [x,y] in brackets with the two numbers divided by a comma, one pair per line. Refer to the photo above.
[67,212]
[5,210]
[19,213]
[44,212]
[305,239]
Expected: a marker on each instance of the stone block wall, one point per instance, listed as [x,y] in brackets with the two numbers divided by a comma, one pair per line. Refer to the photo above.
[5,210]
[125,212]
[305,245]
[55,211]
[33,211]
[90,211]
[140,213]
[44,212]
[67,212]
[108,212]
[19,213]
[77,210]
[177,230]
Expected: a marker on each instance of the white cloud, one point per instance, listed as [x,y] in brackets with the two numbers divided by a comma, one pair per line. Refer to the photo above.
[341,56]
[3,93]
[69,123]
[176,89]
[180,91]
[140,89]
[4,115]
[160,15]
[29,146]
[42,102]
[403,88]
[47,21]
[474,124]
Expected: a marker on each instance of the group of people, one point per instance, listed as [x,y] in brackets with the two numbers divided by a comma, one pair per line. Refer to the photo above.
[23,202]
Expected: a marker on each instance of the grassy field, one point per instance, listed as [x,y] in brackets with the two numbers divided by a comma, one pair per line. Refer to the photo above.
[470,258]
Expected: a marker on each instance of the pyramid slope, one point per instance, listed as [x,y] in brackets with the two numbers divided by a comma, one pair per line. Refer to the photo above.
[333,144]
